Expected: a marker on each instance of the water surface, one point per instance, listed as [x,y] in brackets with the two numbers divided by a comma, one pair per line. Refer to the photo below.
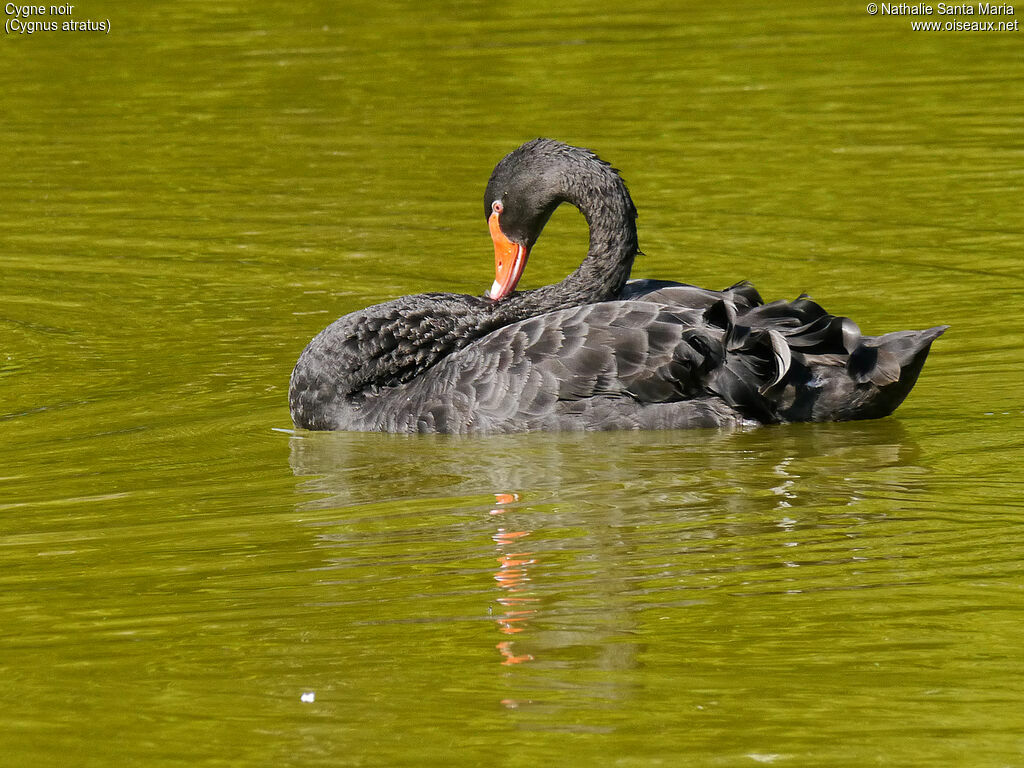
[187,200]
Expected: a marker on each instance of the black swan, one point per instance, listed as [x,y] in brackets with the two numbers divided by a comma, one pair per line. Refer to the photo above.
[595,351]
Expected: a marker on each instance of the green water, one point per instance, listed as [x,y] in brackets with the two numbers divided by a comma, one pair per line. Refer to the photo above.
[187,200]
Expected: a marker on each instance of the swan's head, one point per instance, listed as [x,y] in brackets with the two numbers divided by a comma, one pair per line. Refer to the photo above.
[524,190]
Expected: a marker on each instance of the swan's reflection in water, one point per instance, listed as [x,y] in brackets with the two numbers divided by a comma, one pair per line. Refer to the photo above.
[613,522]
[346,469]
[513,578]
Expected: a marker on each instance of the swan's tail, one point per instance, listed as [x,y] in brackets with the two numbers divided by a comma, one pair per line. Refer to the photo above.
[887,368]
[792,361]
[869,383]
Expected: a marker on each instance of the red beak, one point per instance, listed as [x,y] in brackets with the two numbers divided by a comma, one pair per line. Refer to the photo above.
[509,261]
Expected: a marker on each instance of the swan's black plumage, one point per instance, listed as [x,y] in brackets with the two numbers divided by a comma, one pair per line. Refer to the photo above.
[594,351]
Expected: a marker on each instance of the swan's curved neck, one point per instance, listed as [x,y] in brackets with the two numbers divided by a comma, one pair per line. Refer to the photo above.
[613,240]
[600,194]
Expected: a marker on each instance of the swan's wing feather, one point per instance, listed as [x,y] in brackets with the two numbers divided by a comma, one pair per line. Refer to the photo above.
[633,353]
[643,364]
[743,294]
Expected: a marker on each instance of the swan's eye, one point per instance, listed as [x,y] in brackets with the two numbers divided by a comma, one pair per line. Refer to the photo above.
[497,207]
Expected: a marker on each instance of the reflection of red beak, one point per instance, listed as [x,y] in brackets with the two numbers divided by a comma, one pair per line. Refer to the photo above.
[509,261]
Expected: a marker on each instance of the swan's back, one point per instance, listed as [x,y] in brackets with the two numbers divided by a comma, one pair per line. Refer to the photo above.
[666,356]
